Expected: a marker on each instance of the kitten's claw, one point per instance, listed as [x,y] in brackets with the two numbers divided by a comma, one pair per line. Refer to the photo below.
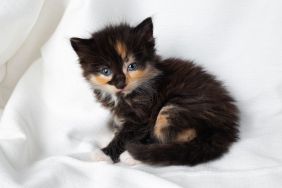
[126,158]
[99,155]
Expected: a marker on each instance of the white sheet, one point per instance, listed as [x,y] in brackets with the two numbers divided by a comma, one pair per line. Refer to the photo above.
[52,118]
[35,29]
[17,18]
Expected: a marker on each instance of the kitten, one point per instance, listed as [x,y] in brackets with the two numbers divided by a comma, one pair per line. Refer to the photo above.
[169,112]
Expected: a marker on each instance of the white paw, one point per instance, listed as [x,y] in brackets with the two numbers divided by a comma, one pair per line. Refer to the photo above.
[98,155]
[126,158]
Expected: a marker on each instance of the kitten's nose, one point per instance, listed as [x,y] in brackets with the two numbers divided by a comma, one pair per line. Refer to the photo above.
[120,81]
[120,85]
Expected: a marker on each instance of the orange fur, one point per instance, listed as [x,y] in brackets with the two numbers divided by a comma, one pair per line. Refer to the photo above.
[162,122]
[186,135]
[134,78]
[121,49]
[136,75]
[99,79]
[102,81]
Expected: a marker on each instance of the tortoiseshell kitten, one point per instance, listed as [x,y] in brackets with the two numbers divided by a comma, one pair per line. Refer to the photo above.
[169,112]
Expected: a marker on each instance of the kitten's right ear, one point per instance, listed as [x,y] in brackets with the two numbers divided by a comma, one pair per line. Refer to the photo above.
[79,45]
[145,28]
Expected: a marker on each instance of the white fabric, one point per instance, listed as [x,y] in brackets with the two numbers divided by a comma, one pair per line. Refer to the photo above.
[2,72]
[52,119]
[16,19]
[1,111]
[29,50]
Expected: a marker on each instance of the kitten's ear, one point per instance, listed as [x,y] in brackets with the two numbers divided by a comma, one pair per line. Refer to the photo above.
[145,28]
[79,45]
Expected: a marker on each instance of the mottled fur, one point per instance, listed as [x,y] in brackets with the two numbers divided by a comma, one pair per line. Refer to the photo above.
[169,112]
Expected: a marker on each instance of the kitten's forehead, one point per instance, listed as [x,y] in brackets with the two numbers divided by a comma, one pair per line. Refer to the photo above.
[121,49]
[114,48]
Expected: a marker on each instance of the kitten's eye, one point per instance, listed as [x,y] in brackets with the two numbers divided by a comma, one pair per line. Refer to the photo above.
[106,71]
[132,67]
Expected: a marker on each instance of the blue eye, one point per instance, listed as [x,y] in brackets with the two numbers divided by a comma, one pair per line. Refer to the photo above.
[106,71]
[132,67]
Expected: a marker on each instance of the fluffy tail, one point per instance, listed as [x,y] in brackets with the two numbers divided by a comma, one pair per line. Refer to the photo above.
[191,153]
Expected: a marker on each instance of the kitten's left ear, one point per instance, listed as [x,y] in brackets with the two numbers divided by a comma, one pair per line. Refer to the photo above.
[145,28]
[79,45]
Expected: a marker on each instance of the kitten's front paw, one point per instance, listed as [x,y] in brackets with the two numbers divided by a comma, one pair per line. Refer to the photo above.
[99,155]
[111,153]
[126,158]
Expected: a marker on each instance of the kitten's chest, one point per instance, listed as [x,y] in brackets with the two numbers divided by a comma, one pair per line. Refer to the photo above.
[107,100]
[137,109]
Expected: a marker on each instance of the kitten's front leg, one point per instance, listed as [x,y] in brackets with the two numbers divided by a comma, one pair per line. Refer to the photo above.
[115,147]
[128,133]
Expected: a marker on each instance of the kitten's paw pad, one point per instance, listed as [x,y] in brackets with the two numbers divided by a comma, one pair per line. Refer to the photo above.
[99,155]
[126,158]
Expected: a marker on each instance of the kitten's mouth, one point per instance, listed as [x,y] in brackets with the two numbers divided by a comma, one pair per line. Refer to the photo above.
[122,91]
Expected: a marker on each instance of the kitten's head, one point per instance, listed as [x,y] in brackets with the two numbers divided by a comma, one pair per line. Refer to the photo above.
[118,59]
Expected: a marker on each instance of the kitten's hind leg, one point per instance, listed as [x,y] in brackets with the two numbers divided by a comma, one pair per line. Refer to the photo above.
[126,158]
[172,125]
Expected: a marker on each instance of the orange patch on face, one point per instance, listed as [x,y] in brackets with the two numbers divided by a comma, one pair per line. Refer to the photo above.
[121,49]
[186,135]
[136,75]
[101,82]
[139,76]
[135,78]
[99,79]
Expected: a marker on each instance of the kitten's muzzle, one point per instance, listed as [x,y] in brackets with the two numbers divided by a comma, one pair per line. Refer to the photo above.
[119,81]
[120,85]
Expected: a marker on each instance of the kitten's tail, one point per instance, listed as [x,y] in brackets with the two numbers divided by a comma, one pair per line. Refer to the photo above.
[191,153]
